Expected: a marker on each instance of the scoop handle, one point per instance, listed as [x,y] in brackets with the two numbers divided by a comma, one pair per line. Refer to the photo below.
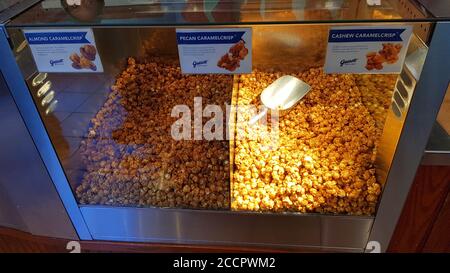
[259,116]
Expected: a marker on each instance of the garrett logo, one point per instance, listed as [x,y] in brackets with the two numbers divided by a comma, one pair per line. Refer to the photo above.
[59,61]
[347,62]
[199,63]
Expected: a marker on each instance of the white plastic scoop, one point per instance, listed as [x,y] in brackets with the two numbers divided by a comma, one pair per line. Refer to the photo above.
[282,94]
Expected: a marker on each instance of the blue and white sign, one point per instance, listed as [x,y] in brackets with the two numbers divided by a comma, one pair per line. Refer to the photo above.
[367,49]
[215,51]
[64,50]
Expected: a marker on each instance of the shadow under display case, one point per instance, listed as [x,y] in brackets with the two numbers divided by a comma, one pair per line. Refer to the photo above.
[343,158]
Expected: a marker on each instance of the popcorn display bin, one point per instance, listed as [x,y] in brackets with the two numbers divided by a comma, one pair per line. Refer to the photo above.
[140,147]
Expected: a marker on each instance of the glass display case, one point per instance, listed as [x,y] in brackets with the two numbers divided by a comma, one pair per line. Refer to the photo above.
[334,177]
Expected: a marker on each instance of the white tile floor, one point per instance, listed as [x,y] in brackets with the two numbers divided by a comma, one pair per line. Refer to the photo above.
[92,104]
[76,124]
[61,116]
[69,102]
[80,97]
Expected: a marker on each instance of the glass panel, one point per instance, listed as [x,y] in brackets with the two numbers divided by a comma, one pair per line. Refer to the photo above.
[440,136]
[135,12]
[444,113]
[113,131]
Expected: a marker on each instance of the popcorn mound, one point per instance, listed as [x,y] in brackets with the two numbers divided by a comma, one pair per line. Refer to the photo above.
[324,161]
[130,155]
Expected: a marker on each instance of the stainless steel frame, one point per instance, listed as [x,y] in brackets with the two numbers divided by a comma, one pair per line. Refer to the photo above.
[424,106]
[307,231]
[226,227]
[28,111]
[28,199]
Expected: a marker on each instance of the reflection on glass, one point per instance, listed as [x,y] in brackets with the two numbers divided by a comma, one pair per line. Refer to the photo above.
[206,12]
[444,114]
[83,10]
[21,46]
[39,79]
[44,89]
[51,107]
[48,98]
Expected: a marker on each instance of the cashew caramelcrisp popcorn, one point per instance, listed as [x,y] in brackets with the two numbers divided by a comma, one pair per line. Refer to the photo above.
[324,158]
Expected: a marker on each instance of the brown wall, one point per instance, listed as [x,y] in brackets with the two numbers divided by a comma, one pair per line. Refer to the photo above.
[424,225]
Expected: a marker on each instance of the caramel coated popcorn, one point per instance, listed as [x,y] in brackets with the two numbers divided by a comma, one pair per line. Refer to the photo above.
[324,160]
[376,94]
[130,155]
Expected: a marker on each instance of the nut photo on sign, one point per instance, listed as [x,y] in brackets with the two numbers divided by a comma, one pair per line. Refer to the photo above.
[85,61]
[389,54]
[231,60]
[374,61]
[89,52]
[75,60]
